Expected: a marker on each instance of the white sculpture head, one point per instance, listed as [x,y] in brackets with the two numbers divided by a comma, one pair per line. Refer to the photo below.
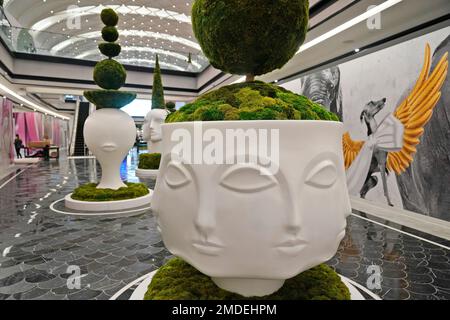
[152,124]
[110,134]
[247,230]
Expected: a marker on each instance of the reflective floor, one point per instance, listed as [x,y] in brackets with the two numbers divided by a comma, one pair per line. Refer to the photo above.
[42,253]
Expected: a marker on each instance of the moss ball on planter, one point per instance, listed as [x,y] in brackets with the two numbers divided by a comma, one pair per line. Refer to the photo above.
[89,192]
[110,74]
[177,280]
[171,106]
[109,17]
[251,101]
[250,36]
[110,49]
[149,161]
[110,34]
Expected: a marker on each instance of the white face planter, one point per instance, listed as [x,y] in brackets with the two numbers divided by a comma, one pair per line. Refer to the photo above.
[110,134]
[152,129]
[252,225]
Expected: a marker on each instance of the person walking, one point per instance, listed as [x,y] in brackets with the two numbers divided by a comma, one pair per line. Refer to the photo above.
[18,144]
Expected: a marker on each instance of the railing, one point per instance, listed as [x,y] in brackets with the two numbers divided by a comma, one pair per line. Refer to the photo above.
[136,49]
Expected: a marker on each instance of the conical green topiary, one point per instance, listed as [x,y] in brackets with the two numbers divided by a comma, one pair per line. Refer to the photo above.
[110,74]
[158,89]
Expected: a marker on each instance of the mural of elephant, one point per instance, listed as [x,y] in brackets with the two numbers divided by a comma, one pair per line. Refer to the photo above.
[324,87]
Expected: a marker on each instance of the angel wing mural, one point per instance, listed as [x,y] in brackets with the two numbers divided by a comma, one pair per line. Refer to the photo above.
[391,143]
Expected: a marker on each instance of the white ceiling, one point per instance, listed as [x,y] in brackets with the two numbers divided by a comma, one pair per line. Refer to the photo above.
[71,28]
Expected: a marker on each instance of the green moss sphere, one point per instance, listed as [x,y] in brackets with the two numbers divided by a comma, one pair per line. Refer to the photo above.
[110,74]
[110,49]
[110,34]
[89,192]
[250,36]
[149,161]
[251,101]
[177,280]
[109,17]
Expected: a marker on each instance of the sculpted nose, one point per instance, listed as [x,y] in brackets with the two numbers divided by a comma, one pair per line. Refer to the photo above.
[294,222]
[384,100]
[205,220]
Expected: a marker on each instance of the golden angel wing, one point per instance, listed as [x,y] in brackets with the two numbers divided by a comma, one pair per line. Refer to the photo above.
[351,149]
[416,111]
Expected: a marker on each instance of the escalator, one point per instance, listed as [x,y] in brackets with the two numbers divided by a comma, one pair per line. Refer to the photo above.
[80,148]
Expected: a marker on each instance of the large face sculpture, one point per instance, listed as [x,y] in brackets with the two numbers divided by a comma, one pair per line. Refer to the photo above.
[242,221]
[110,134]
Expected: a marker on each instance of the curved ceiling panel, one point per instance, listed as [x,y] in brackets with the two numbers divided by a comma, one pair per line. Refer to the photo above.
[72,28]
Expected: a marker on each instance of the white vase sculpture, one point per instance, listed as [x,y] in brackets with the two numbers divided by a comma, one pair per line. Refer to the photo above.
[110,134]
[251,225]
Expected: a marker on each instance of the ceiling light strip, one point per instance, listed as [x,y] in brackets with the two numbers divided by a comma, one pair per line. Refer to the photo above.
[78,12]
[31,104]
[125,33]
[151,62]
[342,27]
[347,25]
[142,49]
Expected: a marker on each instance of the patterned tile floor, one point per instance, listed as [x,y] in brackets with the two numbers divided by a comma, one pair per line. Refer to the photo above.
[38,247]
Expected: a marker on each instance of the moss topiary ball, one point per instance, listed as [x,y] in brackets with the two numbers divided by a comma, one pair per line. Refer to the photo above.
[89,192]
[178,280]
[149,161]
[251,101]
[250,36]
[110,49]
[109,17]
[171,106]
[110,34]
[110,74]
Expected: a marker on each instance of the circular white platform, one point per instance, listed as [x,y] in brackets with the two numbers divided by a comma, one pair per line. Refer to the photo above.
[106,206]
[141,286]
[147,174]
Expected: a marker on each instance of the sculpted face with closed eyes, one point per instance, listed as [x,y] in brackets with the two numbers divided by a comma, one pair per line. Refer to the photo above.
[235,222]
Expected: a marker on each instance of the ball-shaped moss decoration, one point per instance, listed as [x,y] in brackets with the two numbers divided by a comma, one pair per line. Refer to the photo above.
[110,34]
[171,106]
[109,74]
[110,49]
[250,37]
[177,280]
[251,101]
[109,17]
[149,161]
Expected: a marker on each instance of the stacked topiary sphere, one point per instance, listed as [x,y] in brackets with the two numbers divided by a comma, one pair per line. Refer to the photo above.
[109,74]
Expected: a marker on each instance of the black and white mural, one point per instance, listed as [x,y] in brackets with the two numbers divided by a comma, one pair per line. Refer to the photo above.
[395,105]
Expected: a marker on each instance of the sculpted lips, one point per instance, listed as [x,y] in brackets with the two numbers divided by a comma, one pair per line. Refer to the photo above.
[109,147]
[208,248]
[292,247]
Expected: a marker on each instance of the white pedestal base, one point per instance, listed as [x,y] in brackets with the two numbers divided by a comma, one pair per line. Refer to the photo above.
[107,205]
[141,287]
